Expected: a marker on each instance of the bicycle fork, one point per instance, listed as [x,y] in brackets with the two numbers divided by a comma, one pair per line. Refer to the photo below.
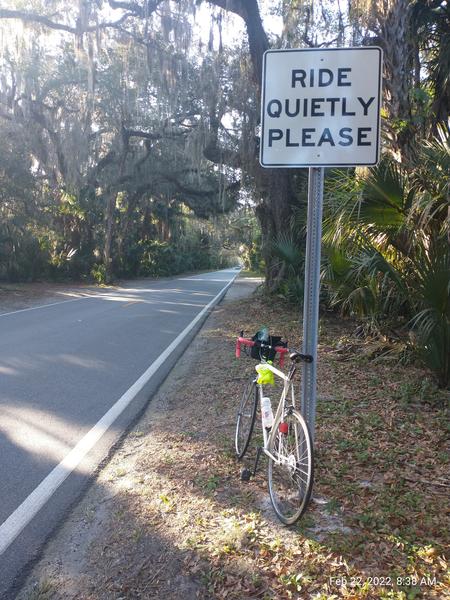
[279,459]
[246,474]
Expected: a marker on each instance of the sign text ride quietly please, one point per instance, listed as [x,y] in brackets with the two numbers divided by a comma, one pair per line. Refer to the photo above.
[321,107]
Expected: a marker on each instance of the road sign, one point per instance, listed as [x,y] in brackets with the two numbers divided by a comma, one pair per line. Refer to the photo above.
[320,107]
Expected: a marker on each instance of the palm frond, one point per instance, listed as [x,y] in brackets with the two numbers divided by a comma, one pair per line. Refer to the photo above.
[289,252]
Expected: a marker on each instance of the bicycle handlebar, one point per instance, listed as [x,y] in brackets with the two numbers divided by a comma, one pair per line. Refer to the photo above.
[250,343]
[282,350]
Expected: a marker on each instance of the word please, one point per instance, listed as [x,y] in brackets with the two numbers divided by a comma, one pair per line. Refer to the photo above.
[310,137]
[318,107]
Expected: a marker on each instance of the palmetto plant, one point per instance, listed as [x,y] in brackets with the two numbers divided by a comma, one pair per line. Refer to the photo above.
[288,248]
[387,248]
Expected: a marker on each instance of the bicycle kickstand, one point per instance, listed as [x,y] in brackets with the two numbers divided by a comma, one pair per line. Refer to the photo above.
[246,473]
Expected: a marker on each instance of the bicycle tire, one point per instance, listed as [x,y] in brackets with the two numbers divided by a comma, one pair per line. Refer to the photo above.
[291,481]
[246,418]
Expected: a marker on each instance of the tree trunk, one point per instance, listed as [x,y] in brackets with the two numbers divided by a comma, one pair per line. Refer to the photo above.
[274,214]
[399,50]
[274,186]
[109,222]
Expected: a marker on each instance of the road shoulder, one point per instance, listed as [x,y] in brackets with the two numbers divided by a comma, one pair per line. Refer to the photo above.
[169,518]
[88,547]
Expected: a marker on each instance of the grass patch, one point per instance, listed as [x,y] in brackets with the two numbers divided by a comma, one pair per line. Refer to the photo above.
[43,590]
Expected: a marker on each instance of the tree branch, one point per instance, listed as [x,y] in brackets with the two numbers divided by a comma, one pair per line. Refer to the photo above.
[153,136]
[185,189]
[258,42]
[217,154]
[135,8]
[35,18]
[113,24]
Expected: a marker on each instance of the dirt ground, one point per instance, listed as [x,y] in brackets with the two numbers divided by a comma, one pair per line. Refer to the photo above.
[169,518]
[18,296]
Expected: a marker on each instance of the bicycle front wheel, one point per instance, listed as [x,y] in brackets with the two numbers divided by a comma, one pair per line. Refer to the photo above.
[246,418]
[291,474]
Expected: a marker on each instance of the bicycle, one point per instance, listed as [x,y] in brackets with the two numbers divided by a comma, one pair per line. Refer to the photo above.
[287,442]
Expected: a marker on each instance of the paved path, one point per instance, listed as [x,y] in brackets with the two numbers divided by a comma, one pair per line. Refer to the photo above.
[74,374]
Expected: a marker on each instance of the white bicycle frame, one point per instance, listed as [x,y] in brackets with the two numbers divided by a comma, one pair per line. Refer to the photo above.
[270,435]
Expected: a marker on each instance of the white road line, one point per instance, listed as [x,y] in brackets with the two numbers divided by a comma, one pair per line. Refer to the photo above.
[20,518]
[21,310]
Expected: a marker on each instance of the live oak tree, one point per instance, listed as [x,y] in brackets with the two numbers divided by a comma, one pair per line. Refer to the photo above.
[111,127]
[276,192]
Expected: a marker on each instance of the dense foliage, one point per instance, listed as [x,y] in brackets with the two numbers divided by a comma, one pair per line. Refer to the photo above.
[388,252]
[101,170]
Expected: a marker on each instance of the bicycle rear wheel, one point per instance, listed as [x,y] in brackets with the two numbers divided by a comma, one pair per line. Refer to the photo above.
[291,475]
[246,418]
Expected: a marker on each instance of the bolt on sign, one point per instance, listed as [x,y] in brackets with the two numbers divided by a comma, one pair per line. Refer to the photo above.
[321,107]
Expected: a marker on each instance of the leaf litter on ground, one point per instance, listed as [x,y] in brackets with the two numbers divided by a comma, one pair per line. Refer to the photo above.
[181,524]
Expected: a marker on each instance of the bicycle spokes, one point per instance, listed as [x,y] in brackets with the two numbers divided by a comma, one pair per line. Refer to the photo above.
[290,468]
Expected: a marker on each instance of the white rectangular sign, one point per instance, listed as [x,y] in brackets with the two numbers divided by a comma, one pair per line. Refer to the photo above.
[320,107]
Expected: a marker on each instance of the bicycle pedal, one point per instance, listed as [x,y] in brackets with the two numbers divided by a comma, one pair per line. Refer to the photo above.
[245,474]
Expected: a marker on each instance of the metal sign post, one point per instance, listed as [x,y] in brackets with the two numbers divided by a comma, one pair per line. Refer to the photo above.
[311,294]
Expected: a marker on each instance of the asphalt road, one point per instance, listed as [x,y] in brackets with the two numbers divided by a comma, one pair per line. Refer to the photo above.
[74,375]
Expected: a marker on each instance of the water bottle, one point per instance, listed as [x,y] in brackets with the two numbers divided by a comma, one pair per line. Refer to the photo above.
[263,335]
[267,414]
